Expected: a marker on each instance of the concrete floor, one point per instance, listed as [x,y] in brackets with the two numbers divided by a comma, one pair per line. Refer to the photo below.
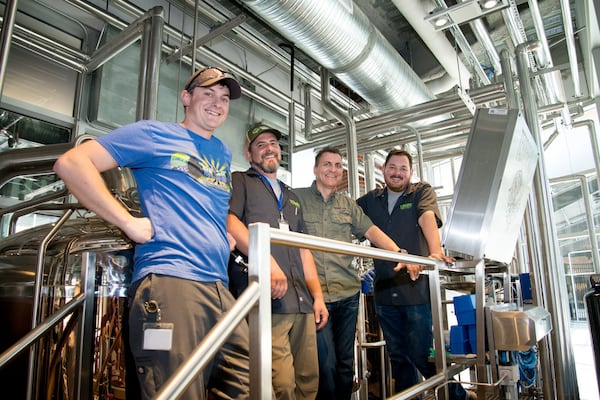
[584,361]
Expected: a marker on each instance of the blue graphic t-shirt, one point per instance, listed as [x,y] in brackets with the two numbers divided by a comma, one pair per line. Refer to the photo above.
[184,185]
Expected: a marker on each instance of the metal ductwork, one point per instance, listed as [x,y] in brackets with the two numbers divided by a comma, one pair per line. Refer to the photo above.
[345,42]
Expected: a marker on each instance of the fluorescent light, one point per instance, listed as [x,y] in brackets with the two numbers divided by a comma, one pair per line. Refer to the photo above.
[465,11]
[441,21]
[487,4]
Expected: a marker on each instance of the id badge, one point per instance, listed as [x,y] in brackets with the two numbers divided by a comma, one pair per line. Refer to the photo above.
[158,336]
[283,225]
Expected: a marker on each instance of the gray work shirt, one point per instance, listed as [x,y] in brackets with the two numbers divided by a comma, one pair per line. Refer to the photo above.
[338,218]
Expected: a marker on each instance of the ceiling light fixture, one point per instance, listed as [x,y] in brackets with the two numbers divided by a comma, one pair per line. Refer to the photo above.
[441,21]
[487,4]
[443,18]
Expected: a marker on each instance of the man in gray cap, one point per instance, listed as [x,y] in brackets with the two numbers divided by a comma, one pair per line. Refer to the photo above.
[179,284]
[297,300]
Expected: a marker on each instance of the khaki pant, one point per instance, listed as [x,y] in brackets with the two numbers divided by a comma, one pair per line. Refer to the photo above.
[295,362]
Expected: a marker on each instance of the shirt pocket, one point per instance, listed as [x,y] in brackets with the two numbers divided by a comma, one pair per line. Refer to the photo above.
[313,222]
[341,216]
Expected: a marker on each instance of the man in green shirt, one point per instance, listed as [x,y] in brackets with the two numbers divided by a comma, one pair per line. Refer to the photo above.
[336,216]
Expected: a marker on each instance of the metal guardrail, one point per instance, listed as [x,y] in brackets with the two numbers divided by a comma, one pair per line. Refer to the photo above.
[255,302]
[267,236]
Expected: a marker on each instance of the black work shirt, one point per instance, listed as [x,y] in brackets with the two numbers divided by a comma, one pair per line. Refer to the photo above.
[391,287]
[253,200]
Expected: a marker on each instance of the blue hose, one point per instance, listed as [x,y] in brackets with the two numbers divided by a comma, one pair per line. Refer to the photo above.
[527,361]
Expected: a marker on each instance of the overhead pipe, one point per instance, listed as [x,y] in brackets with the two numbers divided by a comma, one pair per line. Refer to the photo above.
[458,137]
[484,39]
[418,112]
[386,122]
[46,48]
[47,42]
[8,23]
[367,64]
[50,54]
[150,63]
[565,7]
[379,124]
[437,132]
[591,126]
[552,82]
[348,121]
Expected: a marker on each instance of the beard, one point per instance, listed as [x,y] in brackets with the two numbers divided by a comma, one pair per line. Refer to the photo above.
[268,166]
[396,186]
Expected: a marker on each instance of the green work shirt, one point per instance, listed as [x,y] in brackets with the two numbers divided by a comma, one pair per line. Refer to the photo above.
[338,218]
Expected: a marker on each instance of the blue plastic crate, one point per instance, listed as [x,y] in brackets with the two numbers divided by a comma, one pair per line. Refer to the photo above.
[464,308]
[525,281]
[459,339]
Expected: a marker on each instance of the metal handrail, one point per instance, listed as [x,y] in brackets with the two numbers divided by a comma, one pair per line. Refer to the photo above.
[267,236]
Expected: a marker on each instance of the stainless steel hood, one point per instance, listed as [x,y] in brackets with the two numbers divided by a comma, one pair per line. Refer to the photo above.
[493,186]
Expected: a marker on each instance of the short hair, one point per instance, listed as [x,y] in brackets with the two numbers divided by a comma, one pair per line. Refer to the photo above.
[397,152]
[328,149]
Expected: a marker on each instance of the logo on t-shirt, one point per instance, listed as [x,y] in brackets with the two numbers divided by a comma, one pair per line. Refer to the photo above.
[208,172]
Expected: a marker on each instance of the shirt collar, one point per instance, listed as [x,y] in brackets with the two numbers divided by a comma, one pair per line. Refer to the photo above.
[383,192]
[317,193]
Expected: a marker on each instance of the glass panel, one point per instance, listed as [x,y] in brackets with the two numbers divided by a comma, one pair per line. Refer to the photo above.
[39,82]
[25,188]
[19,131]
[574,236]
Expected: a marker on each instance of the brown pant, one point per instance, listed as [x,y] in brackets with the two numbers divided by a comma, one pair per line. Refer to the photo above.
[193,308]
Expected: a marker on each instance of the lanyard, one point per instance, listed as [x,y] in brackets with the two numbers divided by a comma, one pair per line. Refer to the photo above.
[280,198]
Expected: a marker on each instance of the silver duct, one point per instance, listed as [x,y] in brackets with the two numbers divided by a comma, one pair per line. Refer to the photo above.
[344,42]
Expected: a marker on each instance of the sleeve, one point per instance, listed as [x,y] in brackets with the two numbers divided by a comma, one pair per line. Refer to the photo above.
[237,202]
[130,145]
[428,202]
[361,223]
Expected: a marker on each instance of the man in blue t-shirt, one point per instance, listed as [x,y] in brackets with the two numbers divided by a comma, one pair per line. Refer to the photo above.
[179,287]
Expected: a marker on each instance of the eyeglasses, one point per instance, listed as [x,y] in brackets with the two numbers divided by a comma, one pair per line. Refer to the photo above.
[204,75]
